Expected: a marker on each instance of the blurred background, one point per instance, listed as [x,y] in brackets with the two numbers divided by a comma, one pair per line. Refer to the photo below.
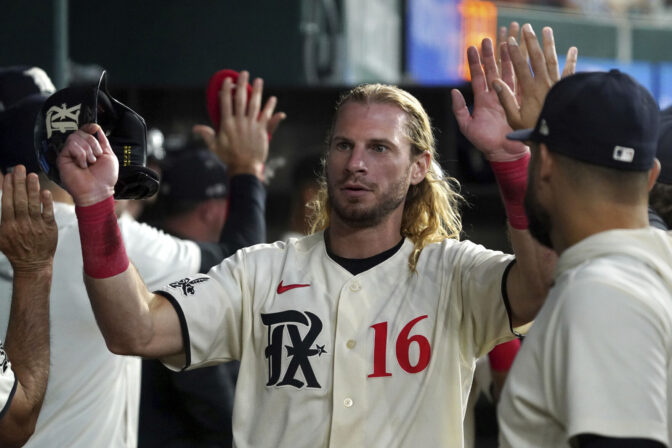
[160,54]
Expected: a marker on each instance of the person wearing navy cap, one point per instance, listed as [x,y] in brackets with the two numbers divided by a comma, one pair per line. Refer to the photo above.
[660,197]
[19,81]
[594,368]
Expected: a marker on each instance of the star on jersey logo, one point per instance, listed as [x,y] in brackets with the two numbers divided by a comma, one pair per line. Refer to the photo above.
[187,285]
[320,349]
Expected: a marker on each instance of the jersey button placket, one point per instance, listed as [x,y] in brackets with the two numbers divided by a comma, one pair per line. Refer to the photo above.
[348,402]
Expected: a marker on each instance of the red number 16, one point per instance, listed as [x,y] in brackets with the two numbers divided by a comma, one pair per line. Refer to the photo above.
[403,349]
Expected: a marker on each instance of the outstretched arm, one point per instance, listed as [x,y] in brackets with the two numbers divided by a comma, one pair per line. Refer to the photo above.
[529,279]
[242,143]
[28,236]
[132,320]
[534,81]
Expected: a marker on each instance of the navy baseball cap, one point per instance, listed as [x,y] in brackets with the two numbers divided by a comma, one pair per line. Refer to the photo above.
[664,153]
[19,81]
[602,118]
[193,174]
[17,128]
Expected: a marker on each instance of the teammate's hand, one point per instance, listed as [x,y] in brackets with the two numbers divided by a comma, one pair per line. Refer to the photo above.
[28,232]
[88,167]
[486,127]
[245,128]
[504,60]
[533,82]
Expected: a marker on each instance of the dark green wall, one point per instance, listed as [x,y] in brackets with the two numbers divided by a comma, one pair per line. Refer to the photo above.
[162,43]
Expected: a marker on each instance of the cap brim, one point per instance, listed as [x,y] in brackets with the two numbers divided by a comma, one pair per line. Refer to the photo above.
[522,135]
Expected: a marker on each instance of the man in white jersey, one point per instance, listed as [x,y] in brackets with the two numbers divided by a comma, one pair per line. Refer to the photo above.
[93,395]
[28,237]
[362,334]
[594,368]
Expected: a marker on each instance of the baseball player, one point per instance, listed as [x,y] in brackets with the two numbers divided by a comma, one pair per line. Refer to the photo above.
[660,196]
[28,238]
[362,334]
[594,368]
[93,395]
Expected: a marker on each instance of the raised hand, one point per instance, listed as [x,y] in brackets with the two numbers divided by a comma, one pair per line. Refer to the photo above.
[87,165]
[486,127]
[533,82]
[245,128]
[28,232]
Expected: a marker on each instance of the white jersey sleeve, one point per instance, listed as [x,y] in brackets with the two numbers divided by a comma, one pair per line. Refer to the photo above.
[7,382]
[210,312]
[159,257]
[477,280]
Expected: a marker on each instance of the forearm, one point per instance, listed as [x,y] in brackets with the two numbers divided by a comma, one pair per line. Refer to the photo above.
[121,305]
[133,321]
[530,278]
[245,225]
[27,348]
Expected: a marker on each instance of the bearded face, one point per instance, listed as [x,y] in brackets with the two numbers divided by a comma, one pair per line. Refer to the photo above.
[353,210]
[538,218]
[369,164]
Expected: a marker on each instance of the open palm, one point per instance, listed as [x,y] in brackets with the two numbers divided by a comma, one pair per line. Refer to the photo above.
[486,127]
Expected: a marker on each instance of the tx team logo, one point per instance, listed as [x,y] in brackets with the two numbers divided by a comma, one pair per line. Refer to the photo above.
[298,352]
[62,119]
[187,285]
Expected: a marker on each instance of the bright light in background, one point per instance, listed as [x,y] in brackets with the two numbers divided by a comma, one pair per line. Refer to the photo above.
[433,41]
[438,34]
[479,20]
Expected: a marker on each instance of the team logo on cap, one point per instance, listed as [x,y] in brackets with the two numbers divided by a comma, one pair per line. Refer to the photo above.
[543,128]
[62,119]
[624,154]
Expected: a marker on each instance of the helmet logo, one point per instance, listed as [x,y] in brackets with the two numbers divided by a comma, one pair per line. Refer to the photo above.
[62,119]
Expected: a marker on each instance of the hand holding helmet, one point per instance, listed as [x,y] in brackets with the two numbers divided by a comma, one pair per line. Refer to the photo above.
[71,112]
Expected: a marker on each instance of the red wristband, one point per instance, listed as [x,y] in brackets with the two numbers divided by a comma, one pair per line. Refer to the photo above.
[512,180]
[103,249]
[502,356]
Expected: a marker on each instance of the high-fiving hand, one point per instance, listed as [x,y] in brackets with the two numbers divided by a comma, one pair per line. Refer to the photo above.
[28,232]
[245,128]
[533,83]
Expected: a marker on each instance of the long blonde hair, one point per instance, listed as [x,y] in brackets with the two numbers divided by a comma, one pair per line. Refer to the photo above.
[431,211]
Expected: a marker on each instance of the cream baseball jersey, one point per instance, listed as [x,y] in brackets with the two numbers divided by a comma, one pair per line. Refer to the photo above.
[7,382]
[597,359]
[383,358]
[93,396]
